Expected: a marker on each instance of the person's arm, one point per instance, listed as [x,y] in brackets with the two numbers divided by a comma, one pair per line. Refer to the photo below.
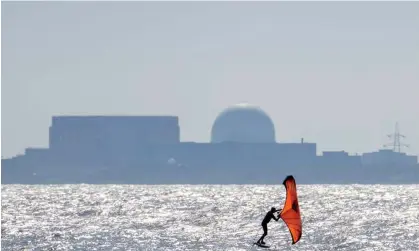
[279,214]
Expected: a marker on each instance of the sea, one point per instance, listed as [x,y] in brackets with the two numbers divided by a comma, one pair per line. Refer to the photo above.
[206,217]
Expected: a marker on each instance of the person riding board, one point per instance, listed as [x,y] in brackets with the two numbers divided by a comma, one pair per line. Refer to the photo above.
[270,215]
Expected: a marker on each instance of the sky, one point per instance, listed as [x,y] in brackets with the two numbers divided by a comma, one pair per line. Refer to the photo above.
[339,74]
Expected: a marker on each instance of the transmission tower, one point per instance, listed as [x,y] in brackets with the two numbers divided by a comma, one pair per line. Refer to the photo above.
[396,137]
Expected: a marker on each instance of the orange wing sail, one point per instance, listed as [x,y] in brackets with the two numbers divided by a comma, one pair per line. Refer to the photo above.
[291,212]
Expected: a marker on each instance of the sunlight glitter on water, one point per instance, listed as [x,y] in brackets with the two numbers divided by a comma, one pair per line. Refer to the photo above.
[206,217]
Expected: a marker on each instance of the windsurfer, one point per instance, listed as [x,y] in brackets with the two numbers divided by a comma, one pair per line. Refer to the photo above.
[270,215]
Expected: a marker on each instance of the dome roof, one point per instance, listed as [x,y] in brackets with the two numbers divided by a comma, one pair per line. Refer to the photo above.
[243,123]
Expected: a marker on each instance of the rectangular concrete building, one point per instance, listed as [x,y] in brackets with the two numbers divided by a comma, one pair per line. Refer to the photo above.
[93,132]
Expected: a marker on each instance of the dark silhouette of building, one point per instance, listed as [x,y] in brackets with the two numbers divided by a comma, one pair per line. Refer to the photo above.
[147,150]
[89,132]
[243,123]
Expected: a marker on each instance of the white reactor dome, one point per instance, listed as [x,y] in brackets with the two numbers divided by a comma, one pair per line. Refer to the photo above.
[243,123]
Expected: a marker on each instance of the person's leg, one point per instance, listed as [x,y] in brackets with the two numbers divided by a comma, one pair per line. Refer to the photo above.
[261,238]
[265,233]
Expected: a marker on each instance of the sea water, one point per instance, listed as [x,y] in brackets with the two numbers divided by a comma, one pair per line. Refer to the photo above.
[206,217]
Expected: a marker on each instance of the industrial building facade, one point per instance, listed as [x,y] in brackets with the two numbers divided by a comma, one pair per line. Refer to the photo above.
[147,149]
[84,133]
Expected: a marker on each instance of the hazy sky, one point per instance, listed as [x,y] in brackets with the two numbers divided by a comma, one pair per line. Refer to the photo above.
[338,74]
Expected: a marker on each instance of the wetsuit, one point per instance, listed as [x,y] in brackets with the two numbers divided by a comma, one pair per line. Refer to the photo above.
[270,215]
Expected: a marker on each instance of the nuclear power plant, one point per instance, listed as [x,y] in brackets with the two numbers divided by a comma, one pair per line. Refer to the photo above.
[148,150]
